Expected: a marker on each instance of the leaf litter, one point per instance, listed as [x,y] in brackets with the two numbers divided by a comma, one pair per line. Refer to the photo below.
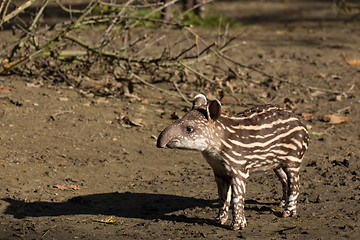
[335,119]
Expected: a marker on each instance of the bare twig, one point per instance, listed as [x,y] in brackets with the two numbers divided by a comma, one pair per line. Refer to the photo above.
[161,8]
[152,85]
[38,15]
[138,40]
[223,40]
[71,11]
[185,51]
[106,38]
[151,44]
[29,33]
[180,93]
[144,5]
[207,48]
[14,13]
[4,10]
[194,7]
[197,73]
[2,5]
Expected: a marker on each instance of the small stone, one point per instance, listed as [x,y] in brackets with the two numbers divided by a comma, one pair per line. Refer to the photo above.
[63,99]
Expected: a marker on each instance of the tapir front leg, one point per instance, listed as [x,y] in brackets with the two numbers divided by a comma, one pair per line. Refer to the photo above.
[224,190]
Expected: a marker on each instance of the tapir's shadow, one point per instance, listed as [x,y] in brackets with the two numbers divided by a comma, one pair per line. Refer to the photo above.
[127,205]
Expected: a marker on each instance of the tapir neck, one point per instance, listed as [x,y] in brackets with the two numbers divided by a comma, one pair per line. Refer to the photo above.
[217,131]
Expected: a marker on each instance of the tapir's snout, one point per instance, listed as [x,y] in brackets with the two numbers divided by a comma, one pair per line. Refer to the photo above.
[162,139]
[169,137]
[160,144]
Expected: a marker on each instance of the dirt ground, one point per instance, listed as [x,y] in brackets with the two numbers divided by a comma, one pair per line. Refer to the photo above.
[75,167]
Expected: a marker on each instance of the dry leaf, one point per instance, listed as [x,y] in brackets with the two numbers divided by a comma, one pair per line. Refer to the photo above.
[33,85]
[335,76]
[138,122]
[102,100]
[318,133]
[109,220]
[291,29]
[63,99]
[133,96]
[265,94]
[223,100]
[307,115]
[230,86]
[339,97]
[317,93]
[66,188]
[335,119]
[353,62]
[4,89]
[145,101]
[320,75]
[3,61]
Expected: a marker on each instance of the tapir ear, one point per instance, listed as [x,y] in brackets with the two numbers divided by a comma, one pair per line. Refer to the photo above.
[199,101]
[214,109]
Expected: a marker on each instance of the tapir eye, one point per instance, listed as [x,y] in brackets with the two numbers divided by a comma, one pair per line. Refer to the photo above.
[189,129]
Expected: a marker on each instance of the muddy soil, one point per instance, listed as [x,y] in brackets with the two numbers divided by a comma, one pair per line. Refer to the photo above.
[75,167]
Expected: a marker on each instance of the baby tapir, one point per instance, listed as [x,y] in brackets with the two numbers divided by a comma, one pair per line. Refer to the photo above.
[257,139]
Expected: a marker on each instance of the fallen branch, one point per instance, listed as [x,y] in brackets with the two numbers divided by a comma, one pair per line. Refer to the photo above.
[35,52]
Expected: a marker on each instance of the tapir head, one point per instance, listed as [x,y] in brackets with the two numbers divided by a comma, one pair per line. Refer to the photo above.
[194,130]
